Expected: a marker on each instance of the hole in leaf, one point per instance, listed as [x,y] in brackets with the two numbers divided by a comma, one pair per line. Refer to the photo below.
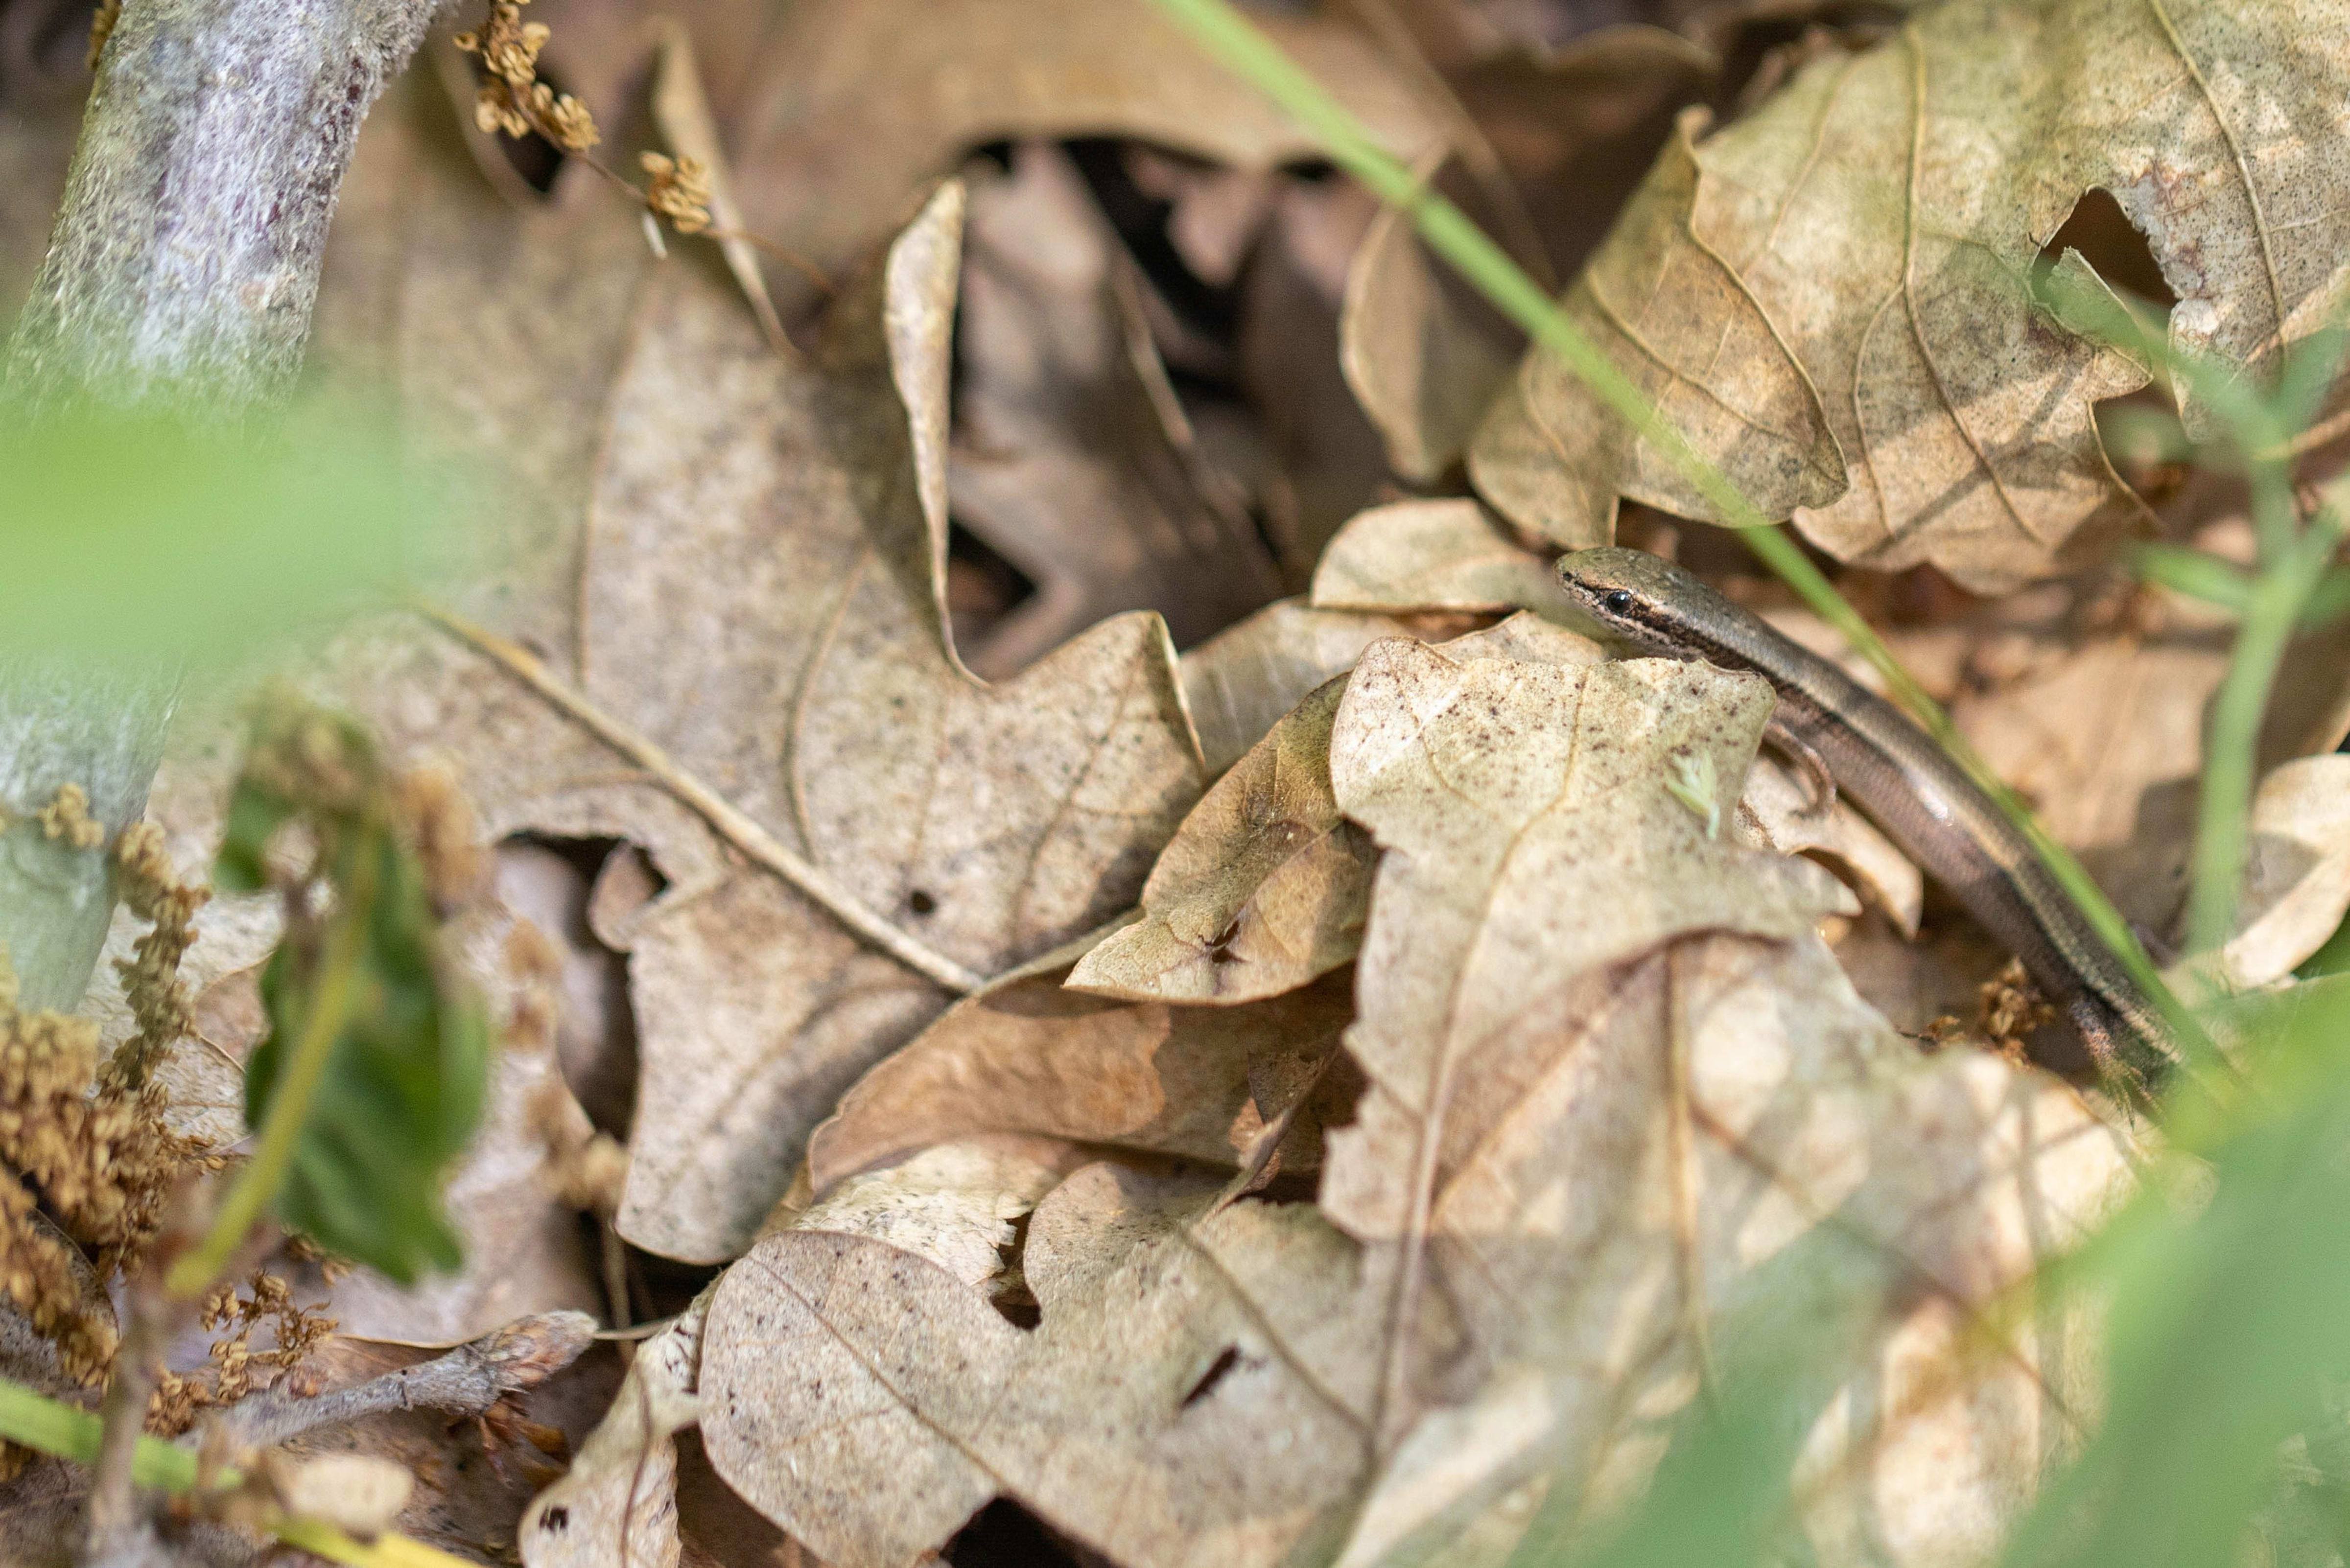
[1005,1535]
[556,1520]
[553,883]
[1218,1370]
[1221,949]
[2112,246]
[983,588]
[921,903]
[1140,219]
[1008,1292]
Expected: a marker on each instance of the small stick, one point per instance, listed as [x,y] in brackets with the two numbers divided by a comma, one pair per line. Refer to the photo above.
[465,1381]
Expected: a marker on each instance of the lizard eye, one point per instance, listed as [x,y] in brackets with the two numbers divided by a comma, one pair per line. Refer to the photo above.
[1618,600]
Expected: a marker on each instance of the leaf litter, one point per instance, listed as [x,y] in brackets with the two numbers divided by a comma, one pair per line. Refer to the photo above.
[1354,1089]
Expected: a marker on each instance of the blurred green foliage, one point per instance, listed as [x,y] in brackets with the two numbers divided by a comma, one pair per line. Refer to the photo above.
[373,1075]
[133,539]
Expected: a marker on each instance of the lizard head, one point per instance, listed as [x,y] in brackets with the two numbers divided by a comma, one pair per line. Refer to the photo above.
[1638,599]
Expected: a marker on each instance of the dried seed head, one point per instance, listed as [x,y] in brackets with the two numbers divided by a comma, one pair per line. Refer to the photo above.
[680,192]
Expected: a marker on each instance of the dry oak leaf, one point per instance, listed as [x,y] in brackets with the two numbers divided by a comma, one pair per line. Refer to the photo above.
[759,601]
[618,1502]
[1692,338]
[857,102]
[1884,213]
[1624,1107]
[1028,1056]
[1072,456]
[1195,1393]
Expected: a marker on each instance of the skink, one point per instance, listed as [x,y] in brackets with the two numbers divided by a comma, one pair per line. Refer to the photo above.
[1921,798]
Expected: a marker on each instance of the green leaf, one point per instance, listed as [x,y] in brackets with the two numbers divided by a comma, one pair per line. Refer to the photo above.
[402,1084]
[2195,574]
[2226,1326]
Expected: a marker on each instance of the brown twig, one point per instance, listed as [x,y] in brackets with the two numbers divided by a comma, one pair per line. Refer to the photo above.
[465,1381]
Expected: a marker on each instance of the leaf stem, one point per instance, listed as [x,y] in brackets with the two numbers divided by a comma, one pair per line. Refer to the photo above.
[731,823]
[1232,38]
[297,1084]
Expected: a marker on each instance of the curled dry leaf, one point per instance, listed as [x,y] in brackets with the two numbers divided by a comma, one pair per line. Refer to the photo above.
[1028,1056]
[860,102]
[1421,369]
[825,721]
[617,1503]
[680,105]
[2297,879]
[1071,455]
[1871,233]
[1264,887]
[1241,681]
[1265,883]
[1571,129]
[1432,555]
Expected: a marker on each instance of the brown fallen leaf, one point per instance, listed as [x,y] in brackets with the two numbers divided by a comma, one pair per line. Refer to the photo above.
[1551,458]
[1266,884]
[1072,457]
[869,1402]
[1422,368]
[617,1503]
[620,1500]
[857,102]
[804,750]
[1616,1086]
[1900,286]
[1029,1056]
[1263,888]
[1667,1128]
